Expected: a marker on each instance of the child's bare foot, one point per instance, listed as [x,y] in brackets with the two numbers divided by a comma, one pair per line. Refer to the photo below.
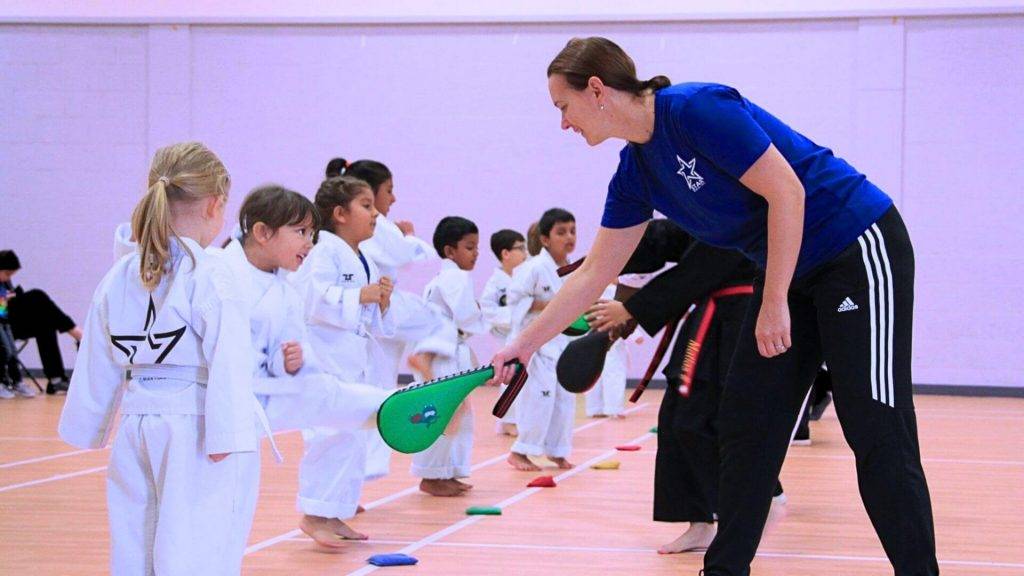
[598,416]
[697,537]
[328,532]
[421,364]
[618,416]
[509,429]
[522,462]
[438,487]
[461,485]
[561,463]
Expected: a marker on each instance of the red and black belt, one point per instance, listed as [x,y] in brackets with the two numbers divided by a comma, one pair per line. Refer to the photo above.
[706,312]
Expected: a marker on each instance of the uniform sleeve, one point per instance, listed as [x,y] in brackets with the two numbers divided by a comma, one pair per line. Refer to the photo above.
[123,243]
[381,324]
[628,201]
[700,270]
[327,303]
[222,321]
[96,384]
[718,123]
[457,292]
[520,296]
[293,329]
[497,315]
[390,248]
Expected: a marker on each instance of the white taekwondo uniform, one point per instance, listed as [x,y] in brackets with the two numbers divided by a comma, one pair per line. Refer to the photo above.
[546,411]
[344,336]
[176,363]
[450,293]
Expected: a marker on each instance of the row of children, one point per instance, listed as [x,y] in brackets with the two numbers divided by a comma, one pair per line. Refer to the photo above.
[203,350]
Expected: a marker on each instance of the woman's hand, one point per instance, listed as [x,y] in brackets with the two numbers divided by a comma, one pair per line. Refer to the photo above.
[292,352]
[515,350]
[607,314]
[772,330]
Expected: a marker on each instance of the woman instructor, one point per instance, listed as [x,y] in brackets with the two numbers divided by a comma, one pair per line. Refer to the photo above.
[837,285]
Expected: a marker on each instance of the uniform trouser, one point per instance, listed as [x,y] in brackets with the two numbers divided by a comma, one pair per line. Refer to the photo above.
[855,311]
[608,395]
[546,412]
[378,453]
[331,413]
[450,456]
[172,510]
[510,414]
[35,315]
[414,321]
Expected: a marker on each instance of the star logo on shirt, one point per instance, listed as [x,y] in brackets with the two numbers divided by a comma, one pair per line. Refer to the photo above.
[129,343]
[688,170]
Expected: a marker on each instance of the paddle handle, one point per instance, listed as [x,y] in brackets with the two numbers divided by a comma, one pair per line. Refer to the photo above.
[507,397]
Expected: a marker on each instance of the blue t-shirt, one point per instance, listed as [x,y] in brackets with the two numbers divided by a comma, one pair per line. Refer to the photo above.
[705,138]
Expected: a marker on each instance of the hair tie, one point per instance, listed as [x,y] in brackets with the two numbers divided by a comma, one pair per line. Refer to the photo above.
[165,180]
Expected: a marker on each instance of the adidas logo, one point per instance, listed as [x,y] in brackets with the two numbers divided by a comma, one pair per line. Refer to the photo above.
[847,305]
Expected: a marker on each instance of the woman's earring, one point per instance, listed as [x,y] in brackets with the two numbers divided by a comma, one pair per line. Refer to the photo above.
[600,106]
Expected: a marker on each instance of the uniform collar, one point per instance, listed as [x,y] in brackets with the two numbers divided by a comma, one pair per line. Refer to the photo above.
[447,264]
[332,239]
[546,258]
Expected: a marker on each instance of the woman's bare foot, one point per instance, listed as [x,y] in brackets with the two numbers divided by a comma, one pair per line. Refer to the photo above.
[522,462]
[562,463]
[697,537]
[509,429]
[328,532]
[776,513]
[438,487]
[461,485]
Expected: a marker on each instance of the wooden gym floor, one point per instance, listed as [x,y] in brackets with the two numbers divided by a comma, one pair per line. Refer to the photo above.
[53,508]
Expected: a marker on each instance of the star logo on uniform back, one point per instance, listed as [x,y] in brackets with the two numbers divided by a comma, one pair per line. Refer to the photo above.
[688,170]
[129,343]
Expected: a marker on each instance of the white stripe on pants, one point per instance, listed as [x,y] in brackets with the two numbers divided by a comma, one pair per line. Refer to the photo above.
[881,309]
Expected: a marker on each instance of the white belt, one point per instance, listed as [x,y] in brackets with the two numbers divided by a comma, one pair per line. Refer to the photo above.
[199,375]
[265,422]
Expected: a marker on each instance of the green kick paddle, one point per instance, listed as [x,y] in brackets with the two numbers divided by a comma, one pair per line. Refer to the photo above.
[414,417]
[579,327]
